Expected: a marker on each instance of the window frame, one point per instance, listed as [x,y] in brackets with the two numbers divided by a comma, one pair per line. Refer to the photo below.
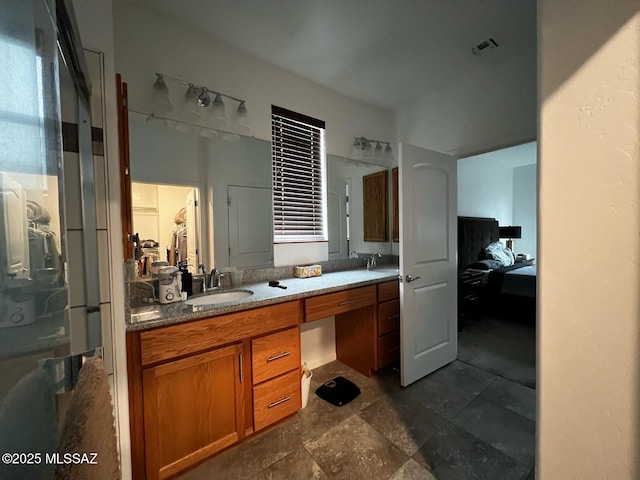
[315,220]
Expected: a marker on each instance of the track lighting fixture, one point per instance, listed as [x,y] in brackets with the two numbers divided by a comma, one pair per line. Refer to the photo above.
[363,148]
[160,103]
[197,98]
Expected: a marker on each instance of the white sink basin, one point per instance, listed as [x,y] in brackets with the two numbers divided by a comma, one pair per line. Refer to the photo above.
[219,297]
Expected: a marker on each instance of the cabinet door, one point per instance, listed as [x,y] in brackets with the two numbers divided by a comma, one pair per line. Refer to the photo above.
[375,197]
[192,408]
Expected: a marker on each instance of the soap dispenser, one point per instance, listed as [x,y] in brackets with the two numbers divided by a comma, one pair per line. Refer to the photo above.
[187,279]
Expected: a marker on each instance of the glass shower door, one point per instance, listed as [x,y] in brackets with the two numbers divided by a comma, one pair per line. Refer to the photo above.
[34,290]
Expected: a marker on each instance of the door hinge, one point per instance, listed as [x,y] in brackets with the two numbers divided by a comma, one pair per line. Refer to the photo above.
[195,203]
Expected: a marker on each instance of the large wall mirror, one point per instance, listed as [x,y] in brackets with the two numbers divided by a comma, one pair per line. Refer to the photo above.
[205,196]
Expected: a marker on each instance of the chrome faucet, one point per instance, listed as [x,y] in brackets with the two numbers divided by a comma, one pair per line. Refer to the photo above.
[371,261]
[214,278]
[204,277]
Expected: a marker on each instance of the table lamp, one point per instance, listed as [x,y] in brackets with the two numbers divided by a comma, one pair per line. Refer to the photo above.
[510,233]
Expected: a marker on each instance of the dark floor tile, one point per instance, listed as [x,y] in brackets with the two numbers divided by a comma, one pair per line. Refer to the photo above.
[355,450]
[455,454]
[503,347]
[412,470]
[298,465]
[406,426]
[250,457]
[513,396]
[445,399]
[512,434]
[465,377]
[314,420]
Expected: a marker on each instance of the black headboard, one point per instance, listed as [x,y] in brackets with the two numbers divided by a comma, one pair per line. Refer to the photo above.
[474,233]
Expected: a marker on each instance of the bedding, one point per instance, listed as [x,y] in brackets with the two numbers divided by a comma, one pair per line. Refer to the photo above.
[497,251]
[518,280]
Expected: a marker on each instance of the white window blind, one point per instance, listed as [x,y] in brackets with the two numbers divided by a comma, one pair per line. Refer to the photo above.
[298,162]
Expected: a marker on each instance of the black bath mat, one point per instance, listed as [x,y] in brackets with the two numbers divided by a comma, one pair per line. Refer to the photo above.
[338,391]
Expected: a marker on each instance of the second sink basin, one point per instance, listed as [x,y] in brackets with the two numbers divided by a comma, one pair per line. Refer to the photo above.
[219,297]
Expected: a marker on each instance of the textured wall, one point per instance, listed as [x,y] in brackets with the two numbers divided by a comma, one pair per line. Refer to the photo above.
[589,240]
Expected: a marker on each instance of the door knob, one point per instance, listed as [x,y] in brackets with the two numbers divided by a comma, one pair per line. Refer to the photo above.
[411,279]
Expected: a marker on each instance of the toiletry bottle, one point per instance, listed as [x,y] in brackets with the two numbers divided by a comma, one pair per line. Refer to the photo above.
[187,280]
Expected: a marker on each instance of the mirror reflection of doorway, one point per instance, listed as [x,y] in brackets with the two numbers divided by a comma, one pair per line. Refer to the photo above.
[166,219]
[250,226]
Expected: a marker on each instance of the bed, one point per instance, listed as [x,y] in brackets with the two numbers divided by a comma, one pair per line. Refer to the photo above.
[508,290]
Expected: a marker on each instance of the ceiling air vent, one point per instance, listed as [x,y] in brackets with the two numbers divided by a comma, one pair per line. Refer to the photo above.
[484,47]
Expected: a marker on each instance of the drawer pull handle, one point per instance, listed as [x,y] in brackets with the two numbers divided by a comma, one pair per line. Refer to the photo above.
[346,302]
[278,402]
[280,355]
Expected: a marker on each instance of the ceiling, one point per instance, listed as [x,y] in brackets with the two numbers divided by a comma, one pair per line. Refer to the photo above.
[384,52]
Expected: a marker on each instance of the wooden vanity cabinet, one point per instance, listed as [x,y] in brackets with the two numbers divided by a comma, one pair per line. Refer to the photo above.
[193,407]
[193,390]
[388,331]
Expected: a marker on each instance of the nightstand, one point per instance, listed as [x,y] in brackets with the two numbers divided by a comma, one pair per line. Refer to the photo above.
[471,284]
[531,261]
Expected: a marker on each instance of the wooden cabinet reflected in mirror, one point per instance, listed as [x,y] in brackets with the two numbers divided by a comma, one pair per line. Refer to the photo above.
[395,233]
[376,199]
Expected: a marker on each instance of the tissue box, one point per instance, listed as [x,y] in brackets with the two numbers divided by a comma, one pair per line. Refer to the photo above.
[307,271]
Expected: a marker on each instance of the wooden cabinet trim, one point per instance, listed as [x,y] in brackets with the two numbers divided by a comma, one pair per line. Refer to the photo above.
[136,406]
[174,341]
[323,306]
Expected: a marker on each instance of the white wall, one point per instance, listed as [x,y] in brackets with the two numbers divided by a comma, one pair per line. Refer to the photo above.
[589,190]
[486,182]
[477,113]
[147,42]
[525,208]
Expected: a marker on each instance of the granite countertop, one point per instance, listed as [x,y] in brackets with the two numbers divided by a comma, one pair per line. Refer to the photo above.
[157,315]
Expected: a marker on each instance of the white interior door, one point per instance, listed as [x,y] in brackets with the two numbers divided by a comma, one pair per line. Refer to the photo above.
[250,226]
[193,229]
[428,251]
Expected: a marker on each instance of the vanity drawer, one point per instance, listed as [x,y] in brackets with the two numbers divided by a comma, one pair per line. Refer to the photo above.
[388,290]
[388,317]
[324,306]
[275,354]
[388,348]
[276,399]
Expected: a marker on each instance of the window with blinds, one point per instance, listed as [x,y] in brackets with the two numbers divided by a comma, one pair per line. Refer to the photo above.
[298,162]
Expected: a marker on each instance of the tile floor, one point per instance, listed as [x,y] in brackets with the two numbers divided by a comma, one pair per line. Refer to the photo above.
[460,422]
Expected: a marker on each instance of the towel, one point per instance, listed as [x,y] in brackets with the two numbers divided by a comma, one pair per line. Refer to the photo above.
[89,428]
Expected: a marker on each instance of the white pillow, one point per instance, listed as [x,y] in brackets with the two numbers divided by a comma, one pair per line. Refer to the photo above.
[498,251]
